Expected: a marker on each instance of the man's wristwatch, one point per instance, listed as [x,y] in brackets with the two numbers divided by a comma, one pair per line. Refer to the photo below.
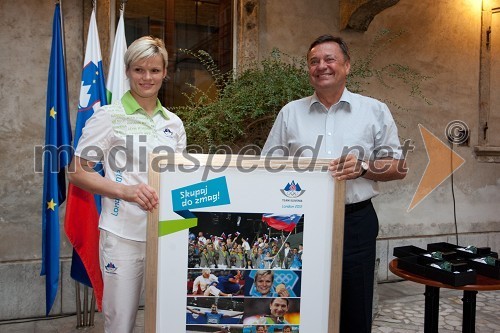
[364,167]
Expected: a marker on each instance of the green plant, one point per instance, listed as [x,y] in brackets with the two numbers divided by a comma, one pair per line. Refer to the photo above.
[245,103]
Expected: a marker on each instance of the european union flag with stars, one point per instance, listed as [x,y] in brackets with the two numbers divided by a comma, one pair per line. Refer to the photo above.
[57,155]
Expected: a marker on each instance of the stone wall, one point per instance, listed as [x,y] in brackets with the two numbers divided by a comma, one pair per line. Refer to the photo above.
[26,35]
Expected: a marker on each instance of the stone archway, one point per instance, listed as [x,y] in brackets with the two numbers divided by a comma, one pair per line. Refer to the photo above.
[357,14]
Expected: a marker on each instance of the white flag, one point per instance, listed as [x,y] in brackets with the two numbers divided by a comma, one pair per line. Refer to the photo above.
[118,84]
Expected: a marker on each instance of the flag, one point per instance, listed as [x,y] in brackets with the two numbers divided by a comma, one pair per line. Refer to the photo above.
[281,222]
[57,155]
[117,83]
[83,208]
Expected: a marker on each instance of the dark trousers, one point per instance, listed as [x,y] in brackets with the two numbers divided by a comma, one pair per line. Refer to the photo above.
[360,233]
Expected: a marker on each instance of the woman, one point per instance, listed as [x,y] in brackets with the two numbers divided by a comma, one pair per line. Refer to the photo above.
[120,136]
[260,262]
[253,257]
[204,259]
[264,285]
[224,259]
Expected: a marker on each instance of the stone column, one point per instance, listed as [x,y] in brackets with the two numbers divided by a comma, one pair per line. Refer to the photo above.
[248,32]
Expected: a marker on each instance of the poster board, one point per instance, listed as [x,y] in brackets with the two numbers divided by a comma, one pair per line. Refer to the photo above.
[224,196]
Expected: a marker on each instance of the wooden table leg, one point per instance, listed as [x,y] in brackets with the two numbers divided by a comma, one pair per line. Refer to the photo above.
[431,319]
[469,316]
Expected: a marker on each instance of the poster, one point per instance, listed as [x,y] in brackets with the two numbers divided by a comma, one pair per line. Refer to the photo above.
[243,246]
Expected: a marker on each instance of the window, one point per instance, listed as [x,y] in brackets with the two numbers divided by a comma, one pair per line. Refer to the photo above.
[184,24]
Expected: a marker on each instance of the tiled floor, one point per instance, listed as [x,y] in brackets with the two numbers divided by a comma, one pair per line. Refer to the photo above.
[400,310]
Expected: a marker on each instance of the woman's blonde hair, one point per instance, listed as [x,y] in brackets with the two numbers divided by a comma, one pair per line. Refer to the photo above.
[143,48]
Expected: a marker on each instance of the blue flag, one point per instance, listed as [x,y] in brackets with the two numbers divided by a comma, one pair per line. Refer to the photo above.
[57,155]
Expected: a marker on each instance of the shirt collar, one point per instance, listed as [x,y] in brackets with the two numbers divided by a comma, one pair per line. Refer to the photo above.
[131,106]
[345,98]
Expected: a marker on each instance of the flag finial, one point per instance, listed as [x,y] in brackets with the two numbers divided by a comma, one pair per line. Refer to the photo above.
[122,4]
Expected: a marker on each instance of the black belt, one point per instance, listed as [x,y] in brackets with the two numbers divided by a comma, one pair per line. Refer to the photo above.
[354,207]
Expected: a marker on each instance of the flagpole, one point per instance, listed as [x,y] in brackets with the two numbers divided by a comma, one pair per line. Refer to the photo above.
[62,25]
[117,83]
[282,244]
[63,40]
[113,34]
[94,8]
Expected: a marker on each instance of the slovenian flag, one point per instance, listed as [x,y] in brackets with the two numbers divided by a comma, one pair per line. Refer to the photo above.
[83,208]
[282,222]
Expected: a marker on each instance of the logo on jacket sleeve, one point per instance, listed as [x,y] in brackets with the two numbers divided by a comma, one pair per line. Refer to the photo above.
[168,133]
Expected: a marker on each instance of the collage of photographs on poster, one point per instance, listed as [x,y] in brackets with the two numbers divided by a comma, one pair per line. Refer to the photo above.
[244,273]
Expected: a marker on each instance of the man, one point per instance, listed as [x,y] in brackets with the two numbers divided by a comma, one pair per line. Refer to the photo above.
[245,245]
[213,316]
[296,262]
[278,309]
[227,285]
[287,329]
[360,137]
[205,259]
[202,282]
[201,239]
[230,283]
[212,255]
[238,258]
[213,290]
[286,256]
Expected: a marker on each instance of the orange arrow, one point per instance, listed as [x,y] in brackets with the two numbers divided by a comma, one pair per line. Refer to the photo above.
[443,161]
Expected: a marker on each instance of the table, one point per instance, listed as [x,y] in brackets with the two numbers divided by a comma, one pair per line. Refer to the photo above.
[432,288]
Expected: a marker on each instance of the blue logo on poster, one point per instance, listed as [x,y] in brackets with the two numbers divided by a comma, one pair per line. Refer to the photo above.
[292,190]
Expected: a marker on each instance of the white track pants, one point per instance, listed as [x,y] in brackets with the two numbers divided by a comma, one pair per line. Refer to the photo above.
[122,265]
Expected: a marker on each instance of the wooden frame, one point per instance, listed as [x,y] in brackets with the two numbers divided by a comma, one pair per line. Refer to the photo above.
[312,173]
